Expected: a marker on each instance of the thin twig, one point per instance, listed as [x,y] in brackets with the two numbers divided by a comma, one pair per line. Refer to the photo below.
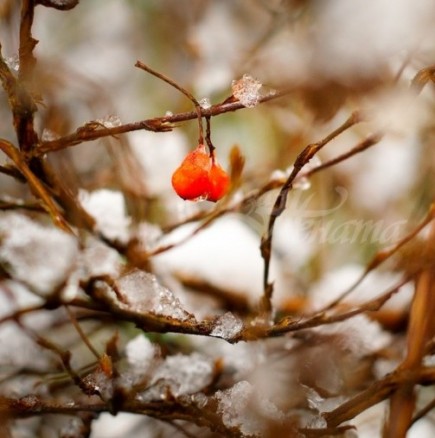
[82,334]
[383,255]
[157,124]
[280,204]
[35,185]
[178,87]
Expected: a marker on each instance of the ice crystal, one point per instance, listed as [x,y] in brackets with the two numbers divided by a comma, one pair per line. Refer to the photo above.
[99,382]
[205,103]
[227,326]
[110,121]
[48,135]
[13,62]
[144,293]
[247,91]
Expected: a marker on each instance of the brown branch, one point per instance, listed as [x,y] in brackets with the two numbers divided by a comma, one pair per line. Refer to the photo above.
[280,204]
[289,324]
[368,142]
[157,124]
[20,101]
[182,90]
[383,255]
[7,203]
[423,411]
[13,172]
[420,329]
[27,42]
[81,333]
[378,392]
[165,410]
[35,185]
[152,322]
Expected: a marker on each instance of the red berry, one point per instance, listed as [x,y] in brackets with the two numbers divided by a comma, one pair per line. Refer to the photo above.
[219,182]
[199,177]
[191,179]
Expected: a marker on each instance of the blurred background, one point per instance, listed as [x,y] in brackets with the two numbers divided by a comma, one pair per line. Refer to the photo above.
[334,57]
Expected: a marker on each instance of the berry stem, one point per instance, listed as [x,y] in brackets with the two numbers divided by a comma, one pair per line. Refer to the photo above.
[208,138]
[181,89]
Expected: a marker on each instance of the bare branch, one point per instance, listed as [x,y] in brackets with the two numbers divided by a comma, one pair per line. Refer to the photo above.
[280,204]
[157,124]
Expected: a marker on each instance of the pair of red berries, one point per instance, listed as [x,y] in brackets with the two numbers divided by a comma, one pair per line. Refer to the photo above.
[200,177]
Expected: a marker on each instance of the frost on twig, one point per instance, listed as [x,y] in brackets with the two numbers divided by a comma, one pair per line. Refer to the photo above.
[144,293]
[227,326]
[247,91]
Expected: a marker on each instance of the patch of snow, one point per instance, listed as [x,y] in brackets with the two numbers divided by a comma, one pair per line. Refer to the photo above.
[140,352]
[335,282]
[107,207]
[41,257]
[241,408]
[181,375]
[226,254]
[158,156]
[359,335]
